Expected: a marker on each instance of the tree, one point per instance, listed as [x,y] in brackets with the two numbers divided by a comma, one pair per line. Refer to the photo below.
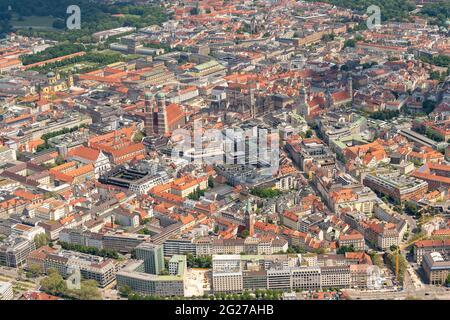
[245,234]
[34,270]
[308,133]
[194,11]
[439,12]
[341,157]
[328,37]
[447,281]
[108,253]
[144,231]
[59,24]
[344,249]
[196,194]
[265,192]
[59,160]
[210,182]
[350,43]
[402,264]
[164,272]
[199,262]
[89,291]
[428,106]
[319,250]
[138,136]
[430,133]
[125,290]
[54,283]
[411,208]
[385,114]
[41,240]
[376,259]
[296,249]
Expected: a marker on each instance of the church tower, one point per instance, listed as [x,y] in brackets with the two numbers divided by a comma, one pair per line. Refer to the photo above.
[252,102]
[250,218]
[70,82]
[303,106]
[328,99]
[148,118]
[163,124]
[253,25]
[350,86]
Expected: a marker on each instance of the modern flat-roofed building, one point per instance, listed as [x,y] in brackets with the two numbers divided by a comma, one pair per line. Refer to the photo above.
[226,262]
[26,231]
[91,267]
[134,179]
[14,250]
[123,242]
[252,280]
[279,279]
[311,150]
[120,242]
[228,282]
[153,257]
[234,273]
[227,273]
[134,278]
[177,264]
[436,267]
[335,277]
[308,278]
[178,246]
[397,186]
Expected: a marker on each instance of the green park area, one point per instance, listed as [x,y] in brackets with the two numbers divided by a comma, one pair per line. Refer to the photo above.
[33,22]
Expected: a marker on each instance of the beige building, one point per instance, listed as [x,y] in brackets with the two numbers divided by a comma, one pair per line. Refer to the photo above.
[228,282]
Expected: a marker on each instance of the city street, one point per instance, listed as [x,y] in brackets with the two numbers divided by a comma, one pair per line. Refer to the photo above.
[427,293]
[20,283]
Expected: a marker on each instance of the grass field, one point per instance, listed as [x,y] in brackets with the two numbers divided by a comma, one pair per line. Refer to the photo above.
[76,66]
[35,22]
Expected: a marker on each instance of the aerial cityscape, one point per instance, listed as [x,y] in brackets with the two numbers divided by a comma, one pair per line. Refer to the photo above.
[224,150]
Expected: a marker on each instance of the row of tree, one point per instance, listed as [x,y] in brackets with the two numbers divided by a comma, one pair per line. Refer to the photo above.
[57,51]
[107,253]
[196,194]
[53,134]
[127,292]
[430,133]
[296,249]
[265,192]
[344,249]
[98,59]
[385,114]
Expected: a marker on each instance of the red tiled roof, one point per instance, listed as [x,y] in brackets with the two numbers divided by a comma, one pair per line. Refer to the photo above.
[85,153]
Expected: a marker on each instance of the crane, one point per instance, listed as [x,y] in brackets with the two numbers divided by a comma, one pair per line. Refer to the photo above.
[399,248]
